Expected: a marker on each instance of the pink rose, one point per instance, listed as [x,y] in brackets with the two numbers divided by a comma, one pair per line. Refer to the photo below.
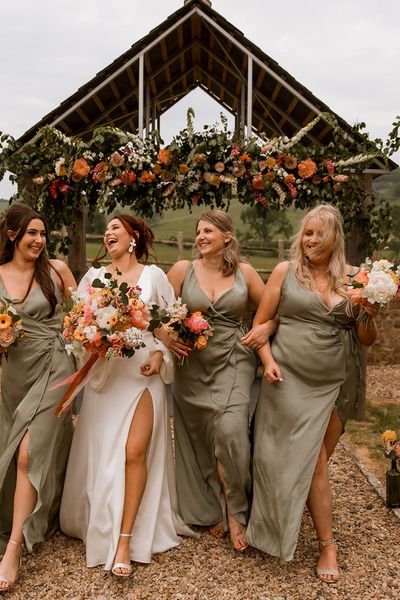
[6,337]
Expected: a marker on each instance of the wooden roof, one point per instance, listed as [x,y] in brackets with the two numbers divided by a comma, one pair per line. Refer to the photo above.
[194,47]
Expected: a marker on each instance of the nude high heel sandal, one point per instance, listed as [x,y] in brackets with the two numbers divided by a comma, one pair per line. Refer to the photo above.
[126,566]
[3,579]
[334,573]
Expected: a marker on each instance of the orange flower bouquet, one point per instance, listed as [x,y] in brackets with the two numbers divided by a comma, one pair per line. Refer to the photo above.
[108,321]
[193,329]
[10,324]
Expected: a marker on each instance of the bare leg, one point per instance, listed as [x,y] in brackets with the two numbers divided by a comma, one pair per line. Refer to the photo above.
[236,529]
[24,502]
[319,500]
[135,472]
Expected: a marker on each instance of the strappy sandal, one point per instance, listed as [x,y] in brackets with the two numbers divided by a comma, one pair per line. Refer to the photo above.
[217,530]
[238,534]
[332,572]
[119,565]
[4,579]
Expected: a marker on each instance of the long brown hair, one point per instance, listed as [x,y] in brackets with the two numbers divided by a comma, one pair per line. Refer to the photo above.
[140,231]
[222,221]
[17,219]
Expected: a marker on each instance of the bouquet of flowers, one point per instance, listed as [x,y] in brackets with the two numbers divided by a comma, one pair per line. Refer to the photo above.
[391,444]
[376,282]
[193,329]
[391,449]
[108,321]
[10,324]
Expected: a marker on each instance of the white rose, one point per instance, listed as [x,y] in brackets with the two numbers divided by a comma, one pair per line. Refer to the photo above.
[103,315]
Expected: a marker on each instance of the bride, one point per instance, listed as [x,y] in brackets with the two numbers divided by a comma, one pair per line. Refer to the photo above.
[119,494]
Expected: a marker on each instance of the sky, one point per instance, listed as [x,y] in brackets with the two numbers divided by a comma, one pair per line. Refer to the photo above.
[346,52]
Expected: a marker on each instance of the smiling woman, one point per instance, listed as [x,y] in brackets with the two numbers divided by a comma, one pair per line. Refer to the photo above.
[212,389]
[34,444]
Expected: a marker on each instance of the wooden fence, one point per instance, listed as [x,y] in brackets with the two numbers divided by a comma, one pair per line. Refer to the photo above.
[280,251]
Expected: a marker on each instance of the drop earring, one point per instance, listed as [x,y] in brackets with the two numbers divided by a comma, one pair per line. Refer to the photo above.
[132,245]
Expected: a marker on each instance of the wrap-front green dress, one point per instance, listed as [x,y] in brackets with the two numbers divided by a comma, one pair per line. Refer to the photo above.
[211,410]
[319,356]
[33,365]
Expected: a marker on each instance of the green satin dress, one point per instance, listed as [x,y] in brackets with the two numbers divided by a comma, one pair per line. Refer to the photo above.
[319,356]
[211,410]
[35,363]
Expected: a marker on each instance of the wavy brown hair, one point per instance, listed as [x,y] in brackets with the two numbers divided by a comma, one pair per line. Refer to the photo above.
[17,219]
[222,221]
[137,228]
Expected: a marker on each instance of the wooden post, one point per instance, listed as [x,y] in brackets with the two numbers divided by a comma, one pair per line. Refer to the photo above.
[281,249]
[77,250]
[179,239]
[355,257]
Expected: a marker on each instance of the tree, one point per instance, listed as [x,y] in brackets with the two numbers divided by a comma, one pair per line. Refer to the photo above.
[264,225]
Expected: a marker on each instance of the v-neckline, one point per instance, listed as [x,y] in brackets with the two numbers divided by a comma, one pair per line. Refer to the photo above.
[139,279]
[17,300]
[212,302]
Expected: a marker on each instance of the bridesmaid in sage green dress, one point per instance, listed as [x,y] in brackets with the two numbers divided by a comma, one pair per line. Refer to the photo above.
[34,443]
[311,385]
[212,390]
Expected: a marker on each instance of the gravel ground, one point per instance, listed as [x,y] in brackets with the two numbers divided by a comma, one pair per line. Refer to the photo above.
[368,536]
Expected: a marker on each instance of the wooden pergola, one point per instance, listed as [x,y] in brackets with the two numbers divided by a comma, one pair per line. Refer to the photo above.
[194,47]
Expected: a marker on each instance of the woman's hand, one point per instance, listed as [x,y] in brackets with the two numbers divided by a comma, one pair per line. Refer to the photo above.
[272,373]
[152,365]
[257,337]
[176,346]
[371,309]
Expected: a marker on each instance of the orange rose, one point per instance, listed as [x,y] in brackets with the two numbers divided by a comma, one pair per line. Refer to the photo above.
[270,176]
[81,168]
[258,183]
[290,179]
[183,168]
[127,178]
[201,342]
[307,168]
[147,177]
[164,156]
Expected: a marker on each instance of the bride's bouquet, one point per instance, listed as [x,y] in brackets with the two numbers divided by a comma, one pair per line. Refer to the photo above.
[107,320]
[193,329]
[376,282]
[10,324]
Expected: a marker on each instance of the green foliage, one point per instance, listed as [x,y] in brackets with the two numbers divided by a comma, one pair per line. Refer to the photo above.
[264,226]
[60,176]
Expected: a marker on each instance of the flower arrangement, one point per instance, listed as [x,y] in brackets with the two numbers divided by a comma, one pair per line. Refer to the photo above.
[63,175]
[391,444]
[10,324]
[391,449]
[193,329]
[108,321]
[376,282]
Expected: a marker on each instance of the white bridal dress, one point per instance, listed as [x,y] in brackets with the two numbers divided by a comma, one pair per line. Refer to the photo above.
[93,496]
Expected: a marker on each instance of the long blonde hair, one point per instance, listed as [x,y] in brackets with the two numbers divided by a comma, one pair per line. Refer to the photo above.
[222,221]
[332,222]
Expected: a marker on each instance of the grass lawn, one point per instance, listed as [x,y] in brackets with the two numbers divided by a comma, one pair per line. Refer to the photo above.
[365,436]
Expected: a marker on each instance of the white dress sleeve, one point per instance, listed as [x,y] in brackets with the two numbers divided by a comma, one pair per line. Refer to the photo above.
[163,296]
[87,279]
